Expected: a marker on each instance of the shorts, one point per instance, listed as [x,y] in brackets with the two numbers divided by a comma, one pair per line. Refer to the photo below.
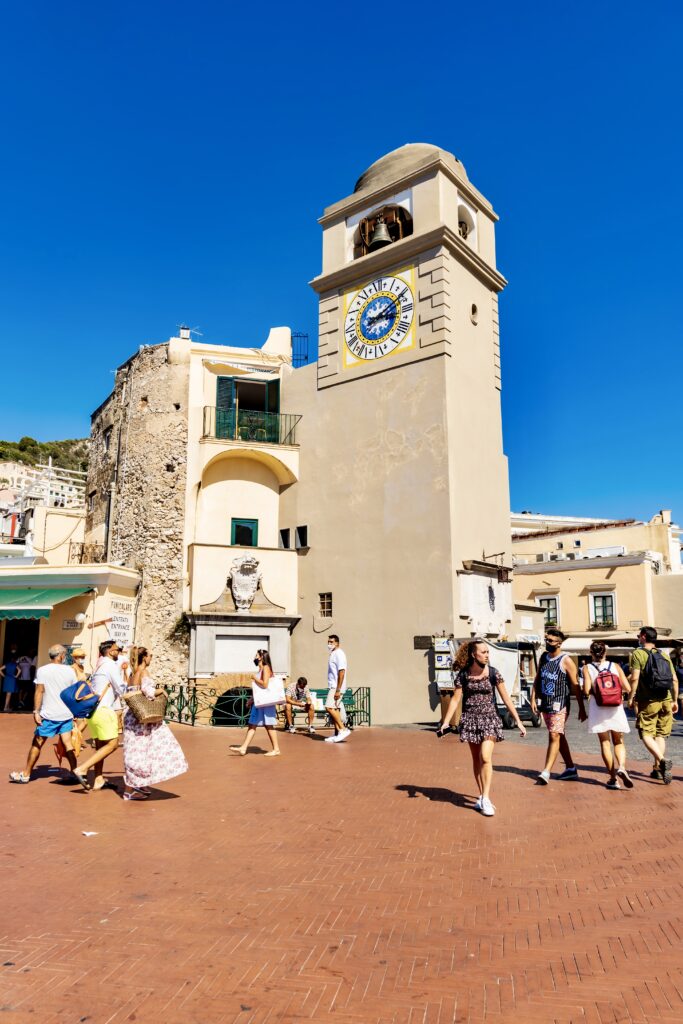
[104,724]
[556,720]
[656,718]
[330,702]
[48,727]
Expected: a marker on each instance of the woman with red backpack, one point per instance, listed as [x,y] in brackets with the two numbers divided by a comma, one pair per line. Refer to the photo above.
[605,683]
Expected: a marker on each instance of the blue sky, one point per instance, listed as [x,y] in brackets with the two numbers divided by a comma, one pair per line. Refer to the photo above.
[147,147]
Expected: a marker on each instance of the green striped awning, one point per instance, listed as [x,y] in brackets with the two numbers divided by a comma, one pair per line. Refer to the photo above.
[34,602]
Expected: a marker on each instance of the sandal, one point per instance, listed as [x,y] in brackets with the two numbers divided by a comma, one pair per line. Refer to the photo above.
[273,753]
[142,789]
[105,784]
[237,750]
[81,780]
[135,795]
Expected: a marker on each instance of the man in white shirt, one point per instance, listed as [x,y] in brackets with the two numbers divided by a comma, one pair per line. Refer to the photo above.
[336,684]
[104,727]
[50,714]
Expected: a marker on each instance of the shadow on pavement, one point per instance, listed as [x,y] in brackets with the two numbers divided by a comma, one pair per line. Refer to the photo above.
[437,793]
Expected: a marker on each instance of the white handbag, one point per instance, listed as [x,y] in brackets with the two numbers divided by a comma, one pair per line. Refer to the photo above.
[273,694]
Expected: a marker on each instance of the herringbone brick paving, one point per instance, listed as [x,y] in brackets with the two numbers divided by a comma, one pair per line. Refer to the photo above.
[351,884]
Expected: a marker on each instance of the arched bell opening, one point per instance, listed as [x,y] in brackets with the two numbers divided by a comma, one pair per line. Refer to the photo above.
[380,228]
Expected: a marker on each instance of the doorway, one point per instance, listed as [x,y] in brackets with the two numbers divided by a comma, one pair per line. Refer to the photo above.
[22,634]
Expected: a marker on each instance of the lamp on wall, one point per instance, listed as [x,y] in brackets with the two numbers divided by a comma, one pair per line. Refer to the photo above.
[80,618]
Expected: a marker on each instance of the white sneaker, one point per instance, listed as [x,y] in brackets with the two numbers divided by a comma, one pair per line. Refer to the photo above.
[311,730]
[477,804]
[291,728]
[487,807]
[330,739]
[342,736]
[543,778]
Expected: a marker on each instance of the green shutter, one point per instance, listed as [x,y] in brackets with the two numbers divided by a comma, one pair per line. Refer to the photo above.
[225,407]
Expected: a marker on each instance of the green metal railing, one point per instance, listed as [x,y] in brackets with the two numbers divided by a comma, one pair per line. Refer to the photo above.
[250,425]
[187,703]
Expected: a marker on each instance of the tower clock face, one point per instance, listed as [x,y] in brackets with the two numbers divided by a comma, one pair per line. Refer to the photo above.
[378,318]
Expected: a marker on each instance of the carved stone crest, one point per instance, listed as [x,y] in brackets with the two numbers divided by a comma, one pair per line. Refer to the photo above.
[244,578]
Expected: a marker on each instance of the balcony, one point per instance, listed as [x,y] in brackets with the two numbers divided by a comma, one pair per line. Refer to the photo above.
[250,425]
[86,554]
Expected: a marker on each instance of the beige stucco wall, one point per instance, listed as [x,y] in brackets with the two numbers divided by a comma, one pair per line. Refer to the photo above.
[53,530]
[238,488]
[668,601]
[96,608]
[631,584]
[209,566]
[374,495]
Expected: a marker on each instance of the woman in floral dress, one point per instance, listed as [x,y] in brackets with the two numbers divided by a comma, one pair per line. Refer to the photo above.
[151,753]
[475,684]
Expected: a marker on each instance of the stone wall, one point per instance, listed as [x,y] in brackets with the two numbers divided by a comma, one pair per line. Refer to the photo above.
[136,485]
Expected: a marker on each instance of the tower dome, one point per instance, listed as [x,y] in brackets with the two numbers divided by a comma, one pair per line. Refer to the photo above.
[403,161]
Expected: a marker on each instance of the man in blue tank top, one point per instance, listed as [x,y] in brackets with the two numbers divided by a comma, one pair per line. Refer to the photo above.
[555,681]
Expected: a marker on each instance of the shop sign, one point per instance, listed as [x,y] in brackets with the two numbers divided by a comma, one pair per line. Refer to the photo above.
[71,624]
[122,625]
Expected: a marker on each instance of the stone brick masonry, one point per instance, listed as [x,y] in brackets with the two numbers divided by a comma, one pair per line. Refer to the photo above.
[138,456]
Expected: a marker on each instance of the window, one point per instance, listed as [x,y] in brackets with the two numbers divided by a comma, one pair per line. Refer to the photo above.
[301,537]
[602,609]
[244,532]
[577,543]
[106,438]
[550,607]
[326,606]
[285,540]
[560,545]
[91,501]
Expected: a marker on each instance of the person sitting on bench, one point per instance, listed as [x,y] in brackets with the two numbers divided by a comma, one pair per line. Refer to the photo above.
[298,695]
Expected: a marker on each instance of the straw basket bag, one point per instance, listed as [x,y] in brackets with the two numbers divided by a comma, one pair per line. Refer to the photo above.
[147,710]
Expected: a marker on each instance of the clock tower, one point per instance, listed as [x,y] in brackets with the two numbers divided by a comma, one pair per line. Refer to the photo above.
[404,483]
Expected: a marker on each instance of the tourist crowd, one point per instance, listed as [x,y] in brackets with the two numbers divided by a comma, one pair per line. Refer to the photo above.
[116,704]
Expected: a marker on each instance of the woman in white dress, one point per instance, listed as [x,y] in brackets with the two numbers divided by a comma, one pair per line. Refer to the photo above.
[608,723]
[151,753]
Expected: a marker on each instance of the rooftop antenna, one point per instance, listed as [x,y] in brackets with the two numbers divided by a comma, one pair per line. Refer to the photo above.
[192,330]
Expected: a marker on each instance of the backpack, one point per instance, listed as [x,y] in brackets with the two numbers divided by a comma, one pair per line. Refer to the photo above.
[657,674]
[607,688]
[81,699]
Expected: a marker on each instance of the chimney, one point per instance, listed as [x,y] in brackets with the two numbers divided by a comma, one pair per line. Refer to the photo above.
[666,516]
[185,333]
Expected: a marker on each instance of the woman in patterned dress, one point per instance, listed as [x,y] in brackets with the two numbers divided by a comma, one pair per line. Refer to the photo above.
[151,753]
[480,725]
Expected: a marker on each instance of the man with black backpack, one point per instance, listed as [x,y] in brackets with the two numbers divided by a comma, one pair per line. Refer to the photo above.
[655,695]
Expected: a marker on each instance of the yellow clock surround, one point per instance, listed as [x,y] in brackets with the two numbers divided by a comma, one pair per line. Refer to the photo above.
[379,318]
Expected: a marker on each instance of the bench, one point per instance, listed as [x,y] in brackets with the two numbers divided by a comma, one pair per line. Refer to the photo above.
[348,700]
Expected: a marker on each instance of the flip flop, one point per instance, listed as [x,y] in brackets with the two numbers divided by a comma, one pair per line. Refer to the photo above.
[81,780]
[134,796]
[237,750]
[273,753]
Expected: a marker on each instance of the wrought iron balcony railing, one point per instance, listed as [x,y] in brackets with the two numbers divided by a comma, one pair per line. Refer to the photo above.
[86,554]
[250,425]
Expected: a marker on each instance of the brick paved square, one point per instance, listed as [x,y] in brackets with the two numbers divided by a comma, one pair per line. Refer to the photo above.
[349,883]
